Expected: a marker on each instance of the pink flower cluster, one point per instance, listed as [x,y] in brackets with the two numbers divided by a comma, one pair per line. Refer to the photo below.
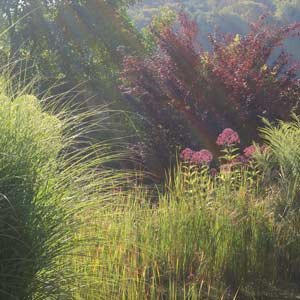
[251,150]
[186,154]
[202,157]
[248,154]
[228,137]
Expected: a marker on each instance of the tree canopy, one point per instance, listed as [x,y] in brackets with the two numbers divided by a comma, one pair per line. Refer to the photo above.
[71,41]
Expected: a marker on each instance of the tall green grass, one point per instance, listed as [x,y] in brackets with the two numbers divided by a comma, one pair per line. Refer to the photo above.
[206,238]
[30,142]
[281,164]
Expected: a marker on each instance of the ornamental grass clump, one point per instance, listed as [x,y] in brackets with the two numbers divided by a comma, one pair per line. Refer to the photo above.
[206,237]
[30,142]
[48,174]
[280,163]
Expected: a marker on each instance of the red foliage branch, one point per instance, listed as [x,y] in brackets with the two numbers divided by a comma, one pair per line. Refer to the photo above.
[191,93]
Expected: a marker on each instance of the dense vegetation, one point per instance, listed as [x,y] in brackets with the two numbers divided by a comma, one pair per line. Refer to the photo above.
[153,164]
[228,16]
[233,15]
[84,232]
[63,43]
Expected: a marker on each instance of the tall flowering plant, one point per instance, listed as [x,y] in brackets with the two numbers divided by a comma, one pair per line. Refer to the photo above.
[196,169]
[228,139]
[232,159]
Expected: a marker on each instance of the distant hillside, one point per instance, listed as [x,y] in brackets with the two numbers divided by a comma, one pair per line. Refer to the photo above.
[225,15]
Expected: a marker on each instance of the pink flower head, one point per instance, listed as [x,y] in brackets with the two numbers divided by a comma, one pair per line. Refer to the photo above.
[228,137]
[203,157]
[249,151]
[186,154]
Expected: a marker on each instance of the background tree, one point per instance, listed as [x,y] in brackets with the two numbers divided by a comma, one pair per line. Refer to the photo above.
[75,49]
[231,16]
[71,42]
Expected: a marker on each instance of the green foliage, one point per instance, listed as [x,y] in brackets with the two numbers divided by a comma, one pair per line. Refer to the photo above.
[75,46]
[166,17]
[72,228]
[71,43]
